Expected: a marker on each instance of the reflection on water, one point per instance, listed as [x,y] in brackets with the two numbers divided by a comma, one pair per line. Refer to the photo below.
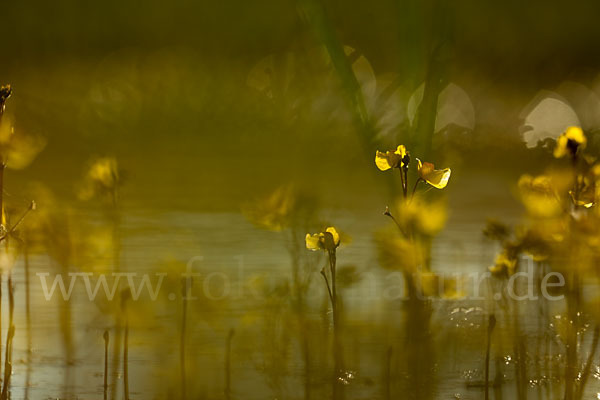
[164,242]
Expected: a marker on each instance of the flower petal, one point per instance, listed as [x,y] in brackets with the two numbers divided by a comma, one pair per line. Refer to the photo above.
[401,151]
[424,169]
[439,178]
[312,242]
[576,134]
[335,234]
[560,150]
[382,160]
[573,134]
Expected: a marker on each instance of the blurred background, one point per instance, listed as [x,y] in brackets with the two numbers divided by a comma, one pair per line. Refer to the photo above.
[208,106]
[179,92]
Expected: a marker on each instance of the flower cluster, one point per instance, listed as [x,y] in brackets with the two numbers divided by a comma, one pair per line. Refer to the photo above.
[417,220]
[400,159]
[562,205]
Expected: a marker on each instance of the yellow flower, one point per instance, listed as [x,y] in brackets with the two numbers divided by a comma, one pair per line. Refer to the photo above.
[328,240]
[504,265]
[437,178]
[569,142]
[392,159]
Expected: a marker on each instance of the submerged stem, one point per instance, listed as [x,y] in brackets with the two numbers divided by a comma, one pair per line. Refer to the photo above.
[337,354]
[27,317]
[106,340]
[185,291]
[588,365]
[388,373]
[8,362]
[126,360]
[491,325]
[9,339]
[228,364]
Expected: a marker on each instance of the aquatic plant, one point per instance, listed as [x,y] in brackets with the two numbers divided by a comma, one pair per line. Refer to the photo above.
[16,151]
[561,234]
[102,181]
[329,241]
[227,374]
[289,211]
[407,249]
[125,295]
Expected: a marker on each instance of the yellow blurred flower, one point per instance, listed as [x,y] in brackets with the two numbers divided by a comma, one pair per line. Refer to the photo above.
[397,253]
[569,142]
[274,211]
[504,265]
[17,150]
[539,195]
[104,172]
[101,178]
[417,215]
[437,178]
[392,159]
[328,240]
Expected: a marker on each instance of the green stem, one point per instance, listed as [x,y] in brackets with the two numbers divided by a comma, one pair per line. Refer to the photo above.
[404,183]
[327,284]
[337,355]
[388,214]
[415,187]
